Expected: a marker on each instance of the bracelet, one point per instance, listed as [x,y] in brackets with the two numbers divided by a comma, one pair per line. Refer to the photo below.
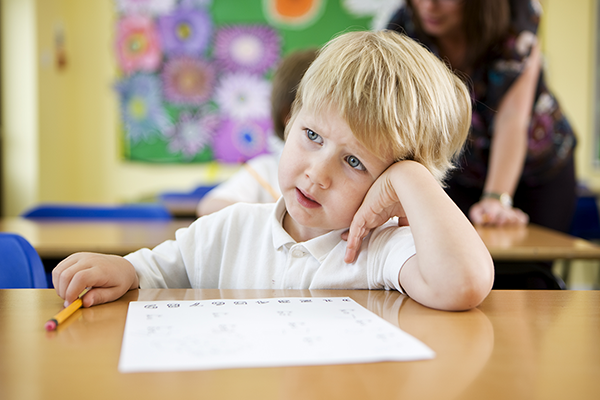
[504,198]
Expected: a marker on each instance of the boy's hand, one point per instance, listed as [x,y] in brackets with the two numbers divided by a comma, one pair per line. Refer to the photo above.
[109,276]
[379,205]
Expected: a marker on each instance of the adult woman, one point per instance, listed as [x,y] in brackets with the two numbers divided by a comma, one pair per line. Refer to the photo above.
[521,145]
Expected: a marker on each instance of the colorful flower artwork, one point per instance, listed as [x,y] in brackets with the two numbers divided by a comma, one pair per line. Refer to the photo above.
[244,96]
[138,47]
[240,140]
[185,31]
[193,133]
[141,109]
[293,13]
[188,80]
[253,49]
[194,75]
[380,10]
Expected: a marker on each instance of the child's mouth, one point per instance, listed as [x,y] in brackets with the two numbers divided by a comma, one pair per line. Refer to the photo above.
[305,201]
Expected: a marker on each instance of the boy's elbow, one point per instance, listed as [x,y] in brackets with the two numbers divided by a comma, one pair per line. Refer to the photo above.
[462,285]
[464,291]
[472,288]
[470,295]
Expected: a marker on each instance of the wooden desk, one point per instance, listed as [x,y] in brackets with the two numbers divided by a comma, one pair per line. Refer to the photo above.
[535,243]
[56,239]
[181,207]
[516,345]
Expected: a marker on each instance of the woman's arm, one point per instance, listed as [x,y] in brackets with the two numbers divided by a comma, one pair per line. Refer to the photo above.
[509,147]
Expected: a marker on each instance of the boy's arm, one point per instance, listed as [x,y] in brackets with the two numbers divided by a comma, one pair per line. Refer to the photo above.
[452,269]
[109,276]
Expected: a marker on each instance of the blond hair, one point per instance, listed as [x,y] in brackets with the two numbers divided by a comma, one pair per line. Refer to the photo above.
[400,100]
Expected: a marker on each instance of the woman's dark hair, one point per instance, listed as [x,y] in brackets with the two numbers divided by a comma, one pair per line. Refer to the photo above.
[486,22]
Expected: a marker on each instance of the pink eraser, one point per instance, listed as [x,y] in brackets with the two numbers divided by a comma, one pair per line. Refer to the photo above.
[50,325]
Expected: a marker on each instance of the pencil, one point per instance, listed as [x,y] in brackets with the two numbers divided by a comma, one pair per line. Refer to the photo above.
[66,312]
[262,182]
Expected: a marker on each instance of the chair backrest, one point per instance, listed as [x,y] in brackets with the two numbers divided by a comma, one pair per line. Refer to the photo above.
[196,195]
[20,264]
[79,211]
[586,219]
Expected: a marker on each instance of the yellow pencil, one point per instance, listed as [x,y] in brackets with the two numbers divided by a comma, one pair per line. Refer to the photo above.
[262,182]
[66,312]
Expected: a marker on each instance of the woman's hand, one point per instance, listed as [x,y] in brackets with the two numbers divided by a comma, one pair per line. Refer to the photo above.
[493,212]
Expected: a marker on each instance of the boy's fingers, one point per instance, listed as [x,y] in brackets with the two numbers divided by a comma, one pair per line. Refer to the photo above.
[82,279]
[64,272]
[62,276]
[354,237]
[102,295]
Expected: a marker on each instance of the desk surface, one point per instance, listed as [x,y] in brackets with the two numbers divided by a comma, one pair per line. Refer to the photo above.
[535,243]
[516,345]
[58,239]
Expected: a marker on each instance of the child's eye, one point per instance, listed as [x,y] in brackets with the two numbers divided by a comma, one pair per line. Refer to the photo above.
[355,163]
[315,137]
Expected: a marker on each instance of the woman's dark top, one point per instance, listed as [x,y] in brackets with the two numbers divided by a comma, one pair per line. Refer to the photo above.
[551,140]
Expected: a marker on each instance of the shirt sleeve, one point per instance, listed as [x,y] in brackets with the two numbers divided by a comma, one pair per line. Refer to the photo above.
[389,248]
[525,19]
[161,267]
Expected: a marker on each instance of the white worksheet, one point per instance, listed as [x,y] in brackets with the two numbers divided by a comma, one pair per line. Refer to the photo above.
[273,332]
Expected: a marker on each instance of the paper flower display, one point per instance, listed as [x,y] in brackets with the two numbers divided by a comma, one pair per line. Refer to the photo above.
[381,10]
[188,80]
[193,133]
[185,31]
[243,96]
[138,47]
[198,3]
[152,7]
[239,141]
[252,49]
[141,109]
[294,14]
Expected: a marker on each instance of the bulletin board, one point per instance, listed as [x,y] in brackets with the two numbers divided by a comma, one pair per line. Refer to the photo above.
[194,75]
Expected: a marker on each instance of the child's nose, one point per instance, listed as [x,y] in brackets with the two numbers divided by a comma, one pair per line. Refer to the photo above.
[320,172]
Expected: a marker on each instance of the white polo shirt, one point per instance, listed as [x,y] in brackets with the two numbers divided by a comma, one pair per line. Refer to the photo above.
[244,246]
[243,187]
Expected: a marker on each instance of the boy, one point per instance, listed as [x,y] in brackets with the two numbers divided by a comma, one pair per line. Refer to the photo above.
[242,186]
[376,122]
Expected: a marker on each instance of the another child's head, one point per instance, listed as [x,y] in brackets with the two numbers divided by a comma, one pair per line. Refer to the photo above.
[400,101]
[285,83]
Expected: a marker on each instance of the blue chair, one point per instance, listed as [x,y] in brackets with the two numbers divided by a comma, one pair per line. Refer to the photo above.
[586,221]
[195,195]
[20,265]
[81,211]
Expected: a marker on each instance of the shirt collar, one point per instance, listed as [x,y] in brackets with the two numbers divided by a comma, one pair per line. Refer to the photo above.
[318,247]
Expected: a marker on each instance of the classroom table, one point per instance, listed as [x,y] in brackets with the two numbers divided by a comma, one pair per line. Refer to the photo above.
[57,239]
[535,243]
[515,345]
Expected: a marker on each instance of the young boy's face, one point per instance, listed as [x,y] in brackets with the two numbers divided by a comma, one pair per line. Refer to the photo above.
[324,174]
